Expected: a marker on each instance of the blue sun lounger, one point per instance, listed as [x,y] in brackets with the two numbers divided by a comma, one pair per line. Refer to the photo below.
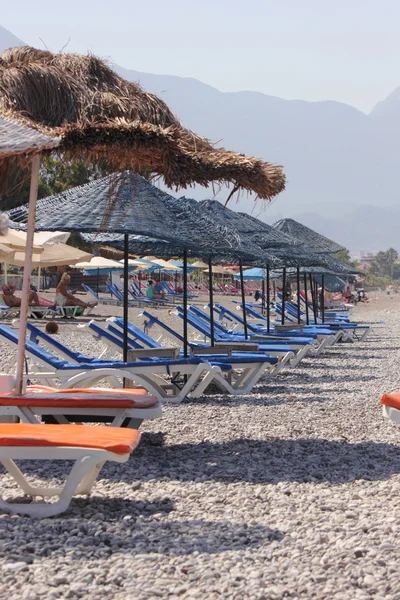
[287,355]
[239,372]
[167,379]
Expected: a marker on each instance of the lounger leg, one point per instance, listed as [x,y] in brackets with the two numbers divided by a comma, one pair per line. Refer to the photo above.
[80,472]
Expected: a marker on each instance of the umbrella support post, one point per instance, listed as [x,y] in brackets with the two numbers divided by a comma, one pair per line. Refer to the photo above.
[283,295]
[323,297]
[298,296]
[185,306]
[243,299]
[211,297]
[263,297]
[23,315]
[268,303]
[313,299]
[126,275]
[306,297]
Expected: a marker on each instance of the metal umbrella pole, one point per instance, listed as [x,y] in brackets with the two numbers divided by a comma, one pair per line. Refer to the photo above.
[185,306]
[263,296]
[298,296]
[323,297]
[126,275]
[268,302]
[283,295]
[306,297]
[313,298]
[211,298]
[243,299]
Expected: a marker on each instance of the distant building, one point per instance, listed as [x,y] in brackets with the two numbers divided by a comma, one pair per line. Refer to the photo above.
[366,259]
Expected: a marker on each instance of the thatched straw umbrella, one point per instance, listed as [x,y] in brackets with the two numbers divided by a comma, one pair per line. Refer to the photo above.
[94,112]
[97,113]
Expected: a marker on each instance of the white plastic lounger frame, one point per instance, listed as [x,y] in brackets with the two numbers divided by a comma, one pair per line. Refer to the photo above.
[239,380]
[88,462]
[152,378]
[29,414]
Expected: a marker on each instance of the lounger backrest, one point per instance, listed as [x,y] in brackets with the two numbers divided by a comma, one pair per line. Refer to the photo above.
[225,312]
[90,291]
[205,317]
[37,333]
[196,323]
[156,321]
[33,348]
[117,335]
[138,334]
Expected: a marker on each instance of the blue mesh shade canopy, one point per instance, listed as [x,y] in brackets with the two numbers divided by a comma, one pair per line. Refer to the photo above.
[126,203]
[303,234]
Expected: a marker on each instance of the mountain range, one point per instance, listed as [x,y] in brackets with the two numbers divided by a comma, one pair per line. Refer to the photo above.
[341,165]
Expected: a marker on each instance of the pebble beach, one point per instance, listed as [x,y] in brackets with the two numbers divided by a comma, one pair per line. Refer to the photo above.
[289,492]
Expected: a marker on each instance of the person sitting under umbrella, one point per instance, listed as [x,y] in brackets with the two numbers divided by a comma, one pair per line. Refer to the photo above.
[10,299]
[65,298]
[154,291]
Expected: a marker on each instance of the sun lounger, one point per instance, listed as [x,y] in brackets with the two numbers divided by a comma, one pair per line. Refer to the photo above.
[391,406]
[164,378]
[127,407]
[323,339]
[352,331]
[97,297]
[287,354]
[88,447]
[239,371]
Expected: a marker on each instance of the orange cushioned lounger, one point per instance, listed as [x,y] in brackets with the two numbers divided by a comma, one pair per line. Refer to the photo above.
[89,447]
[392,400]
[98,391]
[100,404]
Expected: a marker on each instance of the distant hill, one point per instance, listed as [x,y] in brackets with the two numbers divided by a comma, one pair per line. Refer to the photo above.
[341,164]
[8,40]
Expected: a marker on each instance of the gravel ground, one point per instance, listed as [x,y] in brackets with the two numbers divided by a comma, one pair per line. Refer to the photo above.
[290,492]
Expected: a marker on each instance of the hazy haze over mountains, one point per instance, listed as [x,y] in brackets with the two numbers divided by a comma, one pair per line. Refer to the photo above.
[341,164]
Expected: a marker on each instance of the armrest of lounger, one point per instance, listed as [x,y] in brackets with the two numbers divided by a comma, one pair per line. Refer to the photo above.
[299,326]
[237,346]
[196,350]
[171,352]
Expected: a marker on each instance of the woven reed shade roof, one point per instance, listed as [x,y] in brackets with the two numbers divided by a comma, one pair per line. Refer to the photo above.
[267,236]
[313,240]
[126,203]
[17,138]
[99,114]
[279,249]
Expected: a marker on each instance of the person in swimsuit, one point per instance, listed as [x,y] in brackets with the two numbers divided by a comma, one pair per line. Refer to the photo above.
[65,298]
[10,299]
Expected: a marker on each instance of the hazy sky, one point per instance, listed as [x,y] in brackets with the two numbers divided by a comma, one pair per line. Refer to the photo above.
[345,50]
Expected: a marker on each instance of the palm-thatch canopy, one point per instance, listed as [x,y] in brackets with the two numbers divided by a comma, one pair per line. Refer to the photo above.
[313,240]
[101,115]
[126,203]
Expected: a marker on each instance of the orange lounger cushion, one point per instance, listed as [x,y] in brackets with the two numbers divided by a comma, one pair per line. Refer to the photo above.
[392,400]
[111,439]
[99,391]
[76,401]
[37,395]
